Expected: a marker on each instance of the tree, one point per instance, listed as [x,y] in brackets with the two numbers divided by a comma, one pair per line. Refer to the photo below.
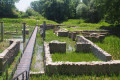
[109,10]
[82,10]
[7,8]
[56,10]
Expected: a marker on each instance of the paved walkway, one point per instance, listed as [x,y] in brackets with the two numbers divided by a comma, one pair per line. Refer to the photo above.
[26,59]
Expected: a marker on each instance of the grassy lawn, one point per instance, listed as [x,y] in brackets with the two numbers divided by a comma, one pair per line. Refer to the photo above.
[81,23]
[74,57]
[73,77]
[111,44]
[79,29]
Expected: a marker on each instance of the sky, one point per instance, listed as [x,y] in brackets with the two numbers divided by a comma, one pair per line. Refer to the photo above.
[22,5]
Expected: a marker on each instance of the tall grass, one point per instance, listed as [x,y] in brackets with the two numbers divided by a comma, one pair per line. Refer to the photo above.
[111,44]
[73,77]
[74,57]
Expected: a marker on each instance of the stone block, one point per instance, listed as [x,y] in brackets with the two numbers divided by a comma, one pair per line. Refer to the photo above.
[63,33]
[83,47]
[56,46]
[26,31]
[73,35]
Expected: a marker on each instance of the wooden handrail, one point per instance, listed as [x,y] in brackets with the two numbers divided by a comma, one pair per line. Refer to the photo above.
[22,73]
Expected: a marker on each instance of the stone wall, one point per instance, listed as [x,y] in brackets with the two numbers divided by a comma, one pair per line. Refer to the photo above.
[9,54]
[48,26]
[101,54]
[73,35]
[56,46]
[77,68]
[62,33]
[83,47]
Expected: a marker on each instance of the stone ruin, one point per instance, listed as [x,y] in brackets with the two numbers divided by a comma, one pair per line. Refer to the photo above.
[98,67]
[26,31]
[9,54]
[77,68]
[61,32]
[56,46]
[84,44]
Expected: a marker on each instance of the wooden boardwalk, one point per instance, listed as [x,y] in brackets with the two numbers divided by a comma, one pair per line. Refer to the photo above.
[26,59]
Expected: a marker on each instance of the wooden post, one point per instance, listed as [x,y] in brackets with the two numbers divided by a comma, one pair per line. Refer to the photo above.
[44,27]
[24,32]
[1,31]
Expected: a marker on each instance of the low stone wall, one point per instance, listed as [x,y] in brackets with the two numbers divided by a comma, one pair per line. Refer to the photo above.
[49,26]
[56,46]
[73,35]
[62,33]
[26,31]
[77,68]
[101,54]
[83,47]
[9,54]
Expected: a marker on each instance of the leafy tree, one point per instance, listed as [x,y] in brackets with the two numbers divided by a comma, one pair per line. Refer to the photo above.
[56,10]
[7,8]
[109,9]
[82,10]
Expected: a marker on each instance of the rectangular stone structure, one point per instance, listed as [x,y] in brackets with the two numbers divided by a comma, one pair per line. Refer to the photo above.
[63,33]
[101,54]
[73,35]
[83,47]
[56,46]
[77,68]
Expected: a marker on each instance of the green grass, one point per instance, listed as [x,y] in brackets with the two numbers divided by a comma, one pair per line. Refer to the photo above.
[73,77]
[79,29]
[81,23]
[74,57]
[111,44]
[69,56]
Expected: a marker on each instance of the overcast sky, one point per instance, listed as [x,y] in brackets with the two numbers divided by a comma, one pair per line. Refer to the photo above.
[22,5]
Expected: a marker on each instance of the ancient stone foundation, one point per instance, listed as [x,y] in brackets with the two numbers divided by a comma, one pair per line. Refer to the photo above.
[62,33]
[56,46]
[48,26]
[8,55]
[101,54]
[83,47]
[77,68]
[26,31]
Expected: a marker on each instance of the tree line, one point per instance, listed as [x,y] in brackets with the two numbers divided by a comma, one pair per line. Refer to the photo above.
[60,10]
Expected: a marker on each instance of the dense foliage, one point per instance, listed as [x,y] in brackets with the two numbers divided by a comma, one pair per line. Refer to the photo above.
[7,8]
[56,10]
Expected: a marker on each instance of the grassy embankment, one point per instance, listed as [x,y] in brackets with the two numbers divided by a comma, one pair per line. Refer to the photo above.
[81,25]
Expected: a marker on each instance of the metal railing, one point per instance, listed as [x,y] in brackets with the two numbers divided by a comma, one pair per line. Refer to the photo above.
[23,74]
[18,61]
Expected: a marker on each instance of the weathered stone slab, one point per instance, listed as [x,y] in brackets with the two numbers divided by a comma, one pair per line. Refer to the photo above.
[56,46]
[26,31]
[62,33]
[73,35]
[83,47]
